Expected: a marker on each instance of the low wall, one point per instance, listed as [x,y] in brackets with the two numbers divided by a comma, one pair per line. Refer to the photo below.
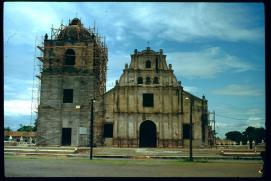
[240,147]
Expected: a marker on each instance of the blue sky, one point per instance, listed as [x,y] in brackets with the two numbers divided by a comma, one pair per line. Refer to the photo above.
[216,49]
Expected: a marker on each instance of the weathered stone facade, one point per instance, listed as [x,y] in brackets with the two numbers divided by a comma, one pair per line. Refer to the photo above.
[73,73]
[147,107]
[168,112]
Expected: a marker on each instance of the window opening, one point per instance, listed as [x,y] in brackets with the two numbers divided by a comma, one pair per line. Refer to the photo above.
[69,58]
[68,96]
[186,131]
[139,80]
[148,80]
[148,64]
[108,130]
[148,100]
[156,80]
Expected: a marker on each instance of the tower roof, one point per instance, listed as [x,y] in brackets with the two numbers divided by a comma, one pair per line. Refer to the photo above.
[74,31]
[75,21]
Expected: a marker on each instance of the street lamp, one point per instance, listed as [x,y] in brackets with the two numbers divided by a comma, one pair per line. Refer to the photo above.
[91,130]
[190,131]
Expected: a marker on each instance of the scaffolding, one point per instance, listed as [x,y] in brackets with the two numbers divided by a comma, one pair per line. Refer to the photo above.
[100,54]
[35,94]
[212,126]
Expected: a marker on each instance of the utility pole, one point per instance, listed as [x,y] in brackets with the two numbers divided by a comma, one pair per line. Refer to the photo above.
[212,120]
[191,98]
[91,130]
[191,130]
[214,130]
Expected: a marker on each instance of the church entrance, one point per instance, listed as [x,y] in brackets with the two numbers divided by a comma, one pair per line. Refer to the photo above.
[66,136]
[147,137]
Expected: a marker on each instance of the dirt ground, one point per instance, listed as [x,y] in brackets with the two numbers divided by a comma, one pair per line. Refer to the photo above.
[31,166]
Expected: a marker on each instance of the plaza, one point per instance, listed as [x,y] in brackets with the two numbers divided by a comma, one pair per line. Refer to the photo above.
[34,166]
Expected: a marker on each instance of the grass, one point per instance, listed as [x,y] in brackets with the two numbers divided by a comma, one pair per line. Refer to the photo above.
[107,161]
[117,162]
[196,161]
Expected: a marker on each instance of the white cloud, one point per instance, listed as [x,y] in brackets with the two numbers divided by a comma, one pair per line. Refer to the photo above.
[185,22]
[221,125]
[18,96]
[111,82]
[255,111]
[15,88]
[17,107]
[116,64]
[238,90]
[190,89]
[31,20]
[239,111]
[237,117]
[206,63]
[171,21]
[109,85]
[256,122]
[118,60]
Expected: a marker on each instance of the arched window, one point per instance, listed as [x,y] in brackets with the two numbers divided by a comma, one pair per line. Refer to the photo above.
[148,64]
[139,80]
[69,58]
[156,80]
[148,80]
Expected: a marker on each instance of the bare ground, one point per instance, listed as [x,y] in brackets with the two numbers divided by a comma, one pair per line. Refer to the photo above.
[25,166]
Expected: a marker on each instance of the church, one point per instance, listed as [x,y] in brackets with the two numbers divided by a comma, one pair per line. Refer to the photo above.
[147,107]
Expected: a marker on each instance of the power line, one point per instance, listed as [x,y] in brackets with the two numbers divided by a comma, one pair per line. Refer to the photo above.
[219,115]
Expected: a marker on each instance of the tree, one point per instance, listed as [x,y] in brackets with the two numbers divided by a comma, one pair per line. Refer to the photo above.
[259,135]
[249,133]
[234,136]
[254,134]
[35,125]
[25,128]
[7,128]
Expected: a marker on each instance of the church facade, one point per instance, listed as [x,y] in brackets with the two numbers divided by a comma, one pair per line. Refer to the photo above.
[147,107]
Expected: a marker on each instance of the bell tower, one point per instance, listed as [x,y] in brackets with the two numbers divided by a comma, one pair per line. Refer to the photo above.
[74,61]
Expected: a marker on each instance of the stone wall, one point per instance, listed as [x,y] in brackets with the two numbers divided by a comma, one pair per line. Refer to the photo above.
[53,114]
[123,105]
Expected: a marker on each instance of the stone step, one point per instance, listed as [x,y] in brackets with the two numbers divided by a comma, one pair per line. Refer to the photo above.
[241,153]
[38,150]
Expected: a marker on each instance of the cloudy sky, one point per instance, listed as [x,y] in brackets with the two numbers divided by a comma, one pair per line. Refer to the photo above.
[216,49]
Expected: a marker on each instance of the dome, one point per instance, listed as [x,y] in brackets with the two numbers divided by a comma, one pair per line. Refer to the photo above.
[75,31]
[75,21]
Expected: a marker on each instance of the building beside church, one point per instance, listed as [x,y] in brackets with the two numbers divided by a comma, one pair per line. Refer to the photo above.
[146,108]
[73,73]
